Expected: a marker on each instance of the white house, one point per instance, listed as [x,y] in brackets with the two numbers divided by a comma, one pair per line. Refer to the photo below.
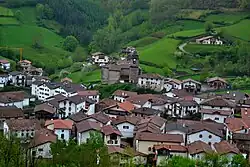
[144,142]
[216,115]
[5,64]
[183,107]
[112,136]
[172,84]
[151,81]
[209,40]
[191,85]
[40,145]
[208,135]
[4,79]
[236,125]
[99,58]
[19,99]
[126,125]
[142,100]
[122,95]
[198,149]
[218,103]
[17,78]
[91,94]
[62,128]
[84,130]
[21,128]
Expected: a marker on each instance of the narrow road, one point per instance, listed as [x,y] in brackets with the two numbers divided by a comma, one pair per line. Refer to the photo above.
[181,47]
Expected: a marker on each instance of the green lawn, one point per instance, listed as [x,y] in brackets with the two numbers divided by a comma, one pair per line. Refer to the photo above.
[240,30]
[229,18]
[6,12]
[160,52]
[190,24]
[193,14]
[188,33]
[143,42]
[88,77]
[8,21]
[196,48]
[151,69]
[28,15]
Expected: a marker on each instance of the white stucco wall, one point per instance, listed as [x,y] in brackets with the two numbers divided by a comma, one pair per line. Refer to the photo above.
[43,151]
[126,133]
[216,117]
[205,137]
[65,132]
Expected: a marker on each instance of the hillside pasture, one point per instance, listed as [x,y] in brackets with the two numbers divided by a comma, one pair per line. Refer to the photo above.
[6,12]
[143,42]
[8,21]
[151,69]
[193,14]
[160,52]
[188,33]
[86,77]
[227,18]
[198,48]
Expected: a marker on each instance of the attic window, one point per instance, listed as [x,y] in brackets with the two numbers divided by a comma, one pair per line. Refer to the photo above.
[200,136]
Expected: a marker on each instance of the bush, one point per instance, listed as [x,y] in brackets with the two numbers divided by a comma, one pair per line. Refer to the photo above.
[70,43]
[158,34]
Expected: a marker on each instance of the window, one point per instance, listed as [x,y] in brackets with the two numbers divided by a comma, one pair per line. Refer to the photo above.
[62,130]
[22,134]
[209,143]
[69,108]
[220,107]
[113,136]
[65,103]
[210,136]
[149,149]
[125,127]
[62,136]
[40,149]
[200,136]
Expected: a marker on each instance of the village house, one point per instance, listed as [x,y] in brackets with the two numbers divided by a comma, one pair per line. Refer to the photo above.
[171,84]
[84,130]
[5,64]
[4,80]
[218,116]
[142,100]
[20,99]
[78,117]
[235,126]
[105,103]
[99,58]
[62,128]
[100,118]
[242,141]
[27,68]
[21,128]
[177,128]
[217,83]
[126,125]
[218,103]
[44,90]
[151,81]
[91,94]
[209,40]
[121,72]
[152,124]
[204,96]
[179,93]
[128,50]
[25,64]
[119,109]
[17,78]
[39,146]
[112,135]
[191,85]
[165,151]
[46,111]
[235,96]
[144,142]
[198,149]
[183,107]
[226,149]
[145,112]
[122,95]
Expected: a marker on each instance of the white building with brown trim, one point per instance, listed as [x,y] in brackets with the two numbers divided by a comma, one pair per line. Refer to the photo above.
[218,116]
[151,81]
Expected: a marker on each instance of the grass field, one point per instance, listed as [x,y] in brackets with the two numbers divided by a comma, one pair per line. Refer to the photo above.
[6,12]
[196,48]
[151,69]
[228,18]
[28,15]
[143,42]
[193,14]
[240,30]
[188,33]
[80,77]
[190,24]
[160,52]
[8,21]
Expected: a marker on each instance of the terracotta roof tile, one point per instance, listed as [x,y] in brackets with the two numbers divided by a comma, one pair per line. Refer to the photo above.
[174,148]
[78,117]
[88,93]
[8,97]
[236,124]
[224,147]
[199,147]
[219,112]
[127,106]
[171,138]
[23,124]
[86,125]
[43,136]
[115,149]
[60,124]
[45,107]
[190,80]
[4,61]
[151,76]
[108,130]
[129,119]
[218,102]
[100,117]
[146,111]
[104,103]
[11,112]
[216,79]
[124,93]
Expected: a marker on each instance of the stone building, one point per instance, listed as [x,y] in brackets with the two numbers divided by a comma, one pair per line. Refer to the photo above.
[122,71]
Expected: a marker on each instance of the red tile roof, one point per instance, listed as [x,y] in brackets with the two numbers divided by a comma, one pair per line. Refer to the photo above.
[86,125]
[41,137]
[171,138]
[130,119]
[127,106]
[151,76]
[124,93]
[219,112]
[23,124]
[224,147]
[218,102]
[60,124]
[108,130]
[236,124]
[216,79]
[88,93]
[115,149]
[4,61]
[199,147]
[175,148]
[11,112]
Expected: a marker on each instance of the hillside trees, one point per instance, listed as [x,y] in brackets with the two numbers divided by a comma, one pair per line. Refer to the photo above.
[70,43]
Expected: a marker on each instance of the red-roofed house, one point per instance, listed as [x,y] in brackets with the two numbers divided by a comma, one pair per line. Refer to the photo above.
[119,109]
[5,64]
[62,128]
[91,94]
[236,126]
[112,136]
[226,149]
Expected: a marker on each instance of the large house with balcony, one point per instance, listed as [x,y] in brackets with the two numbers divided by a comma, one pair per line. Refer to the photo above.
[112,135]
[191,85]
[151,81]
